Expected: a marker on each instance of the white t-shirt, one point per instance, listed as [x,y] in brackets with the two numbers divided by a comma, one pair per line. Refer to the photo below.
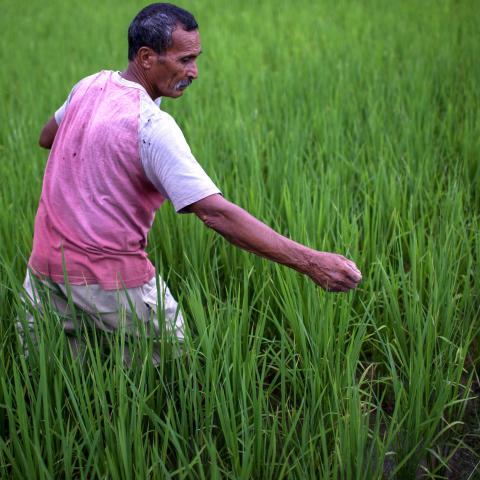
[164,153]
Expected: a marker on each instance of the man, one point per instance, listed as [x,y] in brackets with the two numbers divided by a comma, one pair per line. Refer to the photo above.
[115,158]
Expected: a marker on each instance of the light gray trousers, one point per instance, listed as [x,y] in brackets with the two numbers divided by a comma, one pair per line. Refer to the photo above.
[107,310]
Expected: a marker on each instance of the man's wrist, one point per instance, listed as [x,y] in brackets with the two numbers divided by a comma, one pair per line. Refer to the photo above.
[303,258]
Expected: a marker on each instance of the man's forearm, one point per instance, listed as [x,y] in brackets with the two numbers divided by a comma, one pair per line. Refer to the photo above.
[330,271]
[247,232]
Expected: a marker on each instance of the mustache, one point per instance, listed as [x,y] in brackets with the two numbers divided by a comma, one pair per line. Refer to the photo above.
[183,83]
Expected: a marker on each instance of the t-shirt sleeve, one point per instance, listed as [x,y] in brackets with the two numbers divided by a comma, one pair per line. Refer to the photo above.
[60,113]
[170,165]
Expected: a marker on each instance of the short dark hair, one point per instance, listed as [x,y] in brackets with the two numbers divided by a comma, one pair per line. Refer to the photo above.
[154,25]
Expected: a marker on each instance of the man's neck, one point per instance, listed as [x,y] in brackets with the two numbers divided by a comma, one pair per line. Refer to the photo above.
[135,74]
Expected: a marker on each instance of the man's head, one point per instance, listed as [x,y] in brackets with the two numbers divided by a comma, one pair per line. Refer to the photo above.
[164,43]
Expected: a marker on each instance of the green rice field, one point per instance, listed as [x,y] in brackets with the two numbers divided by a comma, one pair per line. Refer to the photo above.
[351,127]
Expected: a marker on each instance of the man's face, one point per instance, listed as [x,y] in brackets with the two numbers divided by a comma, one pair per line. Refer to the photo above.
[174,70]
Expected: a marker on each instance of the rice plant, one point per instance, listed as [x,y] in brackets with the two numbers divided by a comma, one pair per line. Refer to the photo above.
[348,126]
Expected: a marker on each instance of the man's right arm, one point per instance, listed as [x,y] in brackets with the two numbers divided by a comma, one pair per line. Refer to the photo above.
[47,135]
[170,166]
[331,271]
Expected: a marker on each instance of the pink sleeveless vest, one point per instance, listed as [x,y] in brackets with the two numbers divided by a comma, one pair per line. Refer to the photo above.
[97,205]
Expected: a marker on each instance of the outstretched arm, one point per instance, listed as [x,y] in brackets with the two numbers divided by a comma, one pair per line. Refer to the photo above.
[48,133]
[331,271]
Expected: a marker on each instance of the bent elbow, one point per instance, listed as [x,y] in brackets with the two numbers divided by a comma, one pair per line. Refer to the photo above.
[46,140]
[47,135]
[209,220]
[43,143]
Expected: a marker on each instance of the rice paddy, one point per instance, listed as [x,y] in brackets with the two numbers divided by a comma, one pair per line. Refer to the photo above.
[351,127]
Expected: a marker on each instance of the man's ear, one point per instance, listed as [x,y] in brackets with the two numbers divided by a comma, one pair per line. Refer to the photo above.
[146,57]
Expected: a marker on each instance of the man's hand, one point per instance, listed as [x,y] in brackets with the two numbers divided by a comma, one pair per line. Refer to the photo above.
[329,270]
[333,272]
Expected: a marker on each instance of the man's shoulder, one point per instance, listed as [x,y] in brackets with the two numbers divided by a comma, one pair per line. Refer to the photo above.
[160,133]
[85,82]
[95,75]
[154,121]
[150,110]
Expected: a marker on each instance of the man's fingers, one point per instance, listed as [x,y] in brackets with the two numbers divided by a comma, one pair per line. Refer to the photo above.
[352,271]
[353,267]
[337,273]
[351,275]
[339,288]
[341,285]
[348,278]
